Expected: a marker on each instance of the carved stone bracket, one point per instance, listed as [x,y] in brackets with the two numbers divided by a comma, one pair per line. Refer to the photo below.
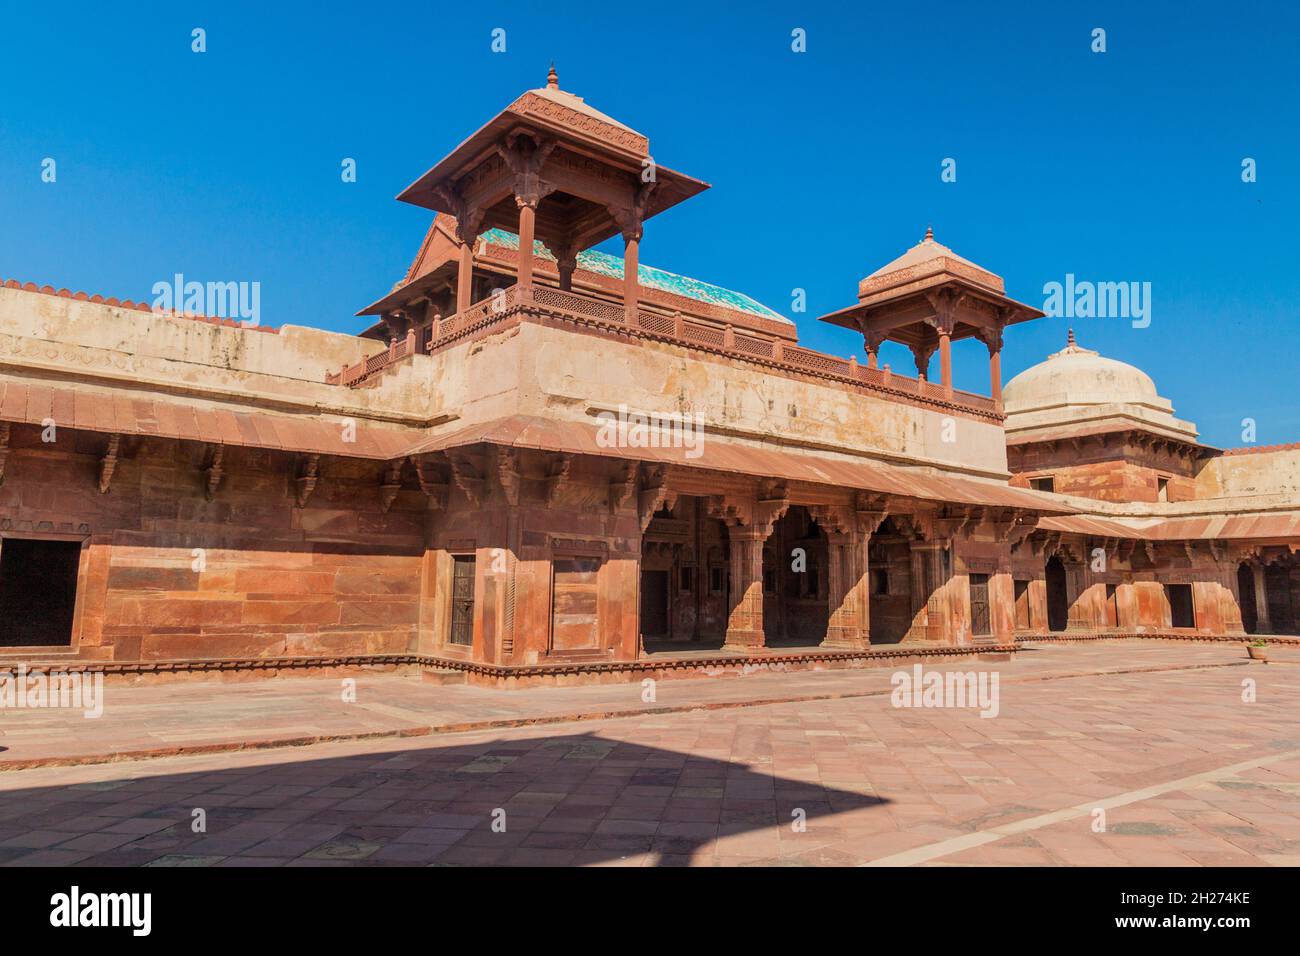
[507,468]
[214,471]
[432,483]
[759,514]
[307,476]
[108,464]
[468,217]
[654,494]
[557,475]
[622,486]
[944,303]
[526,164]
[392,484]
[468,479]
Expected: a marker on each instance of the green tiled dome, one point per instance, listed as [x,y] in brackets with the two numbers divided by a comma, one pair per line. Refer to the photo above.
[648,276]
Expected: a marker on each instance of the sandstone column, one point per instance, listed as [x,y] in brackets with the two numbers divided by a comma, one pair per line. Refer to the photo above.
[745,618]
[1262,623]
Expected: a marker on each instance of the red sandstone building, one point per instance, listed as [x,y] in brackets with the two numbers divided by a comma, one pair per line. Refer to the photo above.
[179,493]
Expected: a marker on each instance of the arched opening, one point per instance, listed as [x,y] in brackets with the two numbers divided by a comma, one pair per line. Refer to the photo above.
[1246,598]
[796,596]
[684,576]
[1058,597]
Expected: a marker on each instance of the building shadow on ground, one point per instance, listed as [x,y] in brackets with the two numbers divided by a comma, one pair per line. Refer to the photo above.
[546,800]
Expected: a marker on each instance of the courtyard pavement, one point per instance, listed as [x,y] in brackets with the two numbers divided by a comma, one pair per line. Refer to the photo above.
[1158,754]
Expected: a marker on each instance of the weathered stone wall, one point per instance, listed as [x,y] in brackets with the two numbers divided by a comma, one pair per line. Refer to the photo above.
[169,574]
[1269,471]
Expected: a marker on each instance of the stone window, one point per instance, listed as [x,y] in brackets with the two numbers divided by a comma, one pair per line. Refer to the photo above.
[38,592]
[1043,483]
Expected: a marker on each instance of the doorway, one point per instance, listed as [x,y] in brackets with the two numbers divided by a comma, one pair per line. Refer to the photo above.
[1058,595]
[654,605]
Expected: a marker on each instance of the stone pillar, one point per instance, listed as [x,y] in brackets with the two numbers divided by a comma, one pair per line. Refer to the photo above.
[993,340]
[566,261]
[848,589]
[745,617]
[631,264]
[465,276]
[527,230]
[995,377]
[921,356]
[945,360]
[1262,623]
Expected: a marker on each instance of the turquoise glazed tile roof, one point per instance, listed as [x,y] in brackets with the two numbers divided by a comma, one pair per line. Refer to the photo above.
[604,264]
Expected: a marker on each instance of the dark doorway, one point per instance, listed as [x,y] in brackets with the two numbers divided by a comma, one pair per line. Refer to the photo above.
[1181,610]
[1058,596]
[1277,591]
[981,622]
[654,604]
[38,592]
[1246,598]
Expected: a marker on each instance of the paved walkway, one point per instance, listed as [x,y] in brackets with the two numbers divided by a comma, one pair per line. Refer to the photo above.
[199,716]
[1188,767]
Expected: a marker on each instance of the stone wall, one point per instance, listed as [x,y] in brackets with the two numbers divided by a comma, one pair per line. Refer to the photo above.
[169,574]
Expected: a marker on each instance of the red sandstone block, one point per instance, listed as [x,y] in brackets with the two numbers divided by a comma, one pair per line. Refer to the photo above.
[122,578]
[167,611]
[289,612]
[265,581]
[403,581]
[379,612]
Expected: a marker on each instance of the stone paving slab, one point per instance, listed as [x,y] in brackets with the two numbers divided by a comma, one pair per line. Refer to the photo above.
[1189,769]
[211,716]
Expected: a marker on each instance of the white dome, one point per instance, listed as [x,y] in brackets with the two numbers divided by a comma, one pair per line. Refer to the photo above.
[1078,376]
[1076,389]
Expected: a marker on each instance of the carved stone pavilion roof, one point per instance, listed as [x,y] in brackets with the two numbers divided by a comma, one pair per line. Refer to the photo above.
[588,167]
[928,288]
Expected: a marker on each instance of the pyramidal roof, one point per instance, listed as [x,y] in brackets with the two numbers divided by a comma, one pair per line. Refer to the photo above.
[928,257]
[926,250]
[552,92]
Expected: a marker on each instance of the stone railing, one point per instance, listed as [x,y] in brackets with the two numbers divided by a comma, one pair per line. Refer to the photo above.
[354,375]
[777,354]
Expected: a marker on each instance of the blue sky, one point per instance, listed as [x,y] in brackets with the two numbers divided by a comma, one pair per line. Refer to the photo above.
[1122,166]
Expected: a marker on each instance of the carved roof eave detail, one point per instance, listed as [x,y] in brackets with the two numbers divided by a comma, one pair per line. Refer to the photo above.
[905,314]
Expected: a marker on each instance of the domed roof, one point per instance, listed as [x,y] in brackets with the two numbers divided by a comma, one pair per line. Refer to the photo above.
[1076,389]
[1079,376]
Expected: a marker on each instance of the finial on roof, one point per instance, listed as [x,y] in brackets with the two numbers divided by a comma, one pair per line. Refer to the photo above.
[552,78]
[1070,339]
[929,235]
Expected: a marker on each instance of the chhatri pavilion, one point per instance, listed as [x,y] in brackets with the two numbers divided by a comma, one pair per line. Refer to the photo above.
[182,493]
